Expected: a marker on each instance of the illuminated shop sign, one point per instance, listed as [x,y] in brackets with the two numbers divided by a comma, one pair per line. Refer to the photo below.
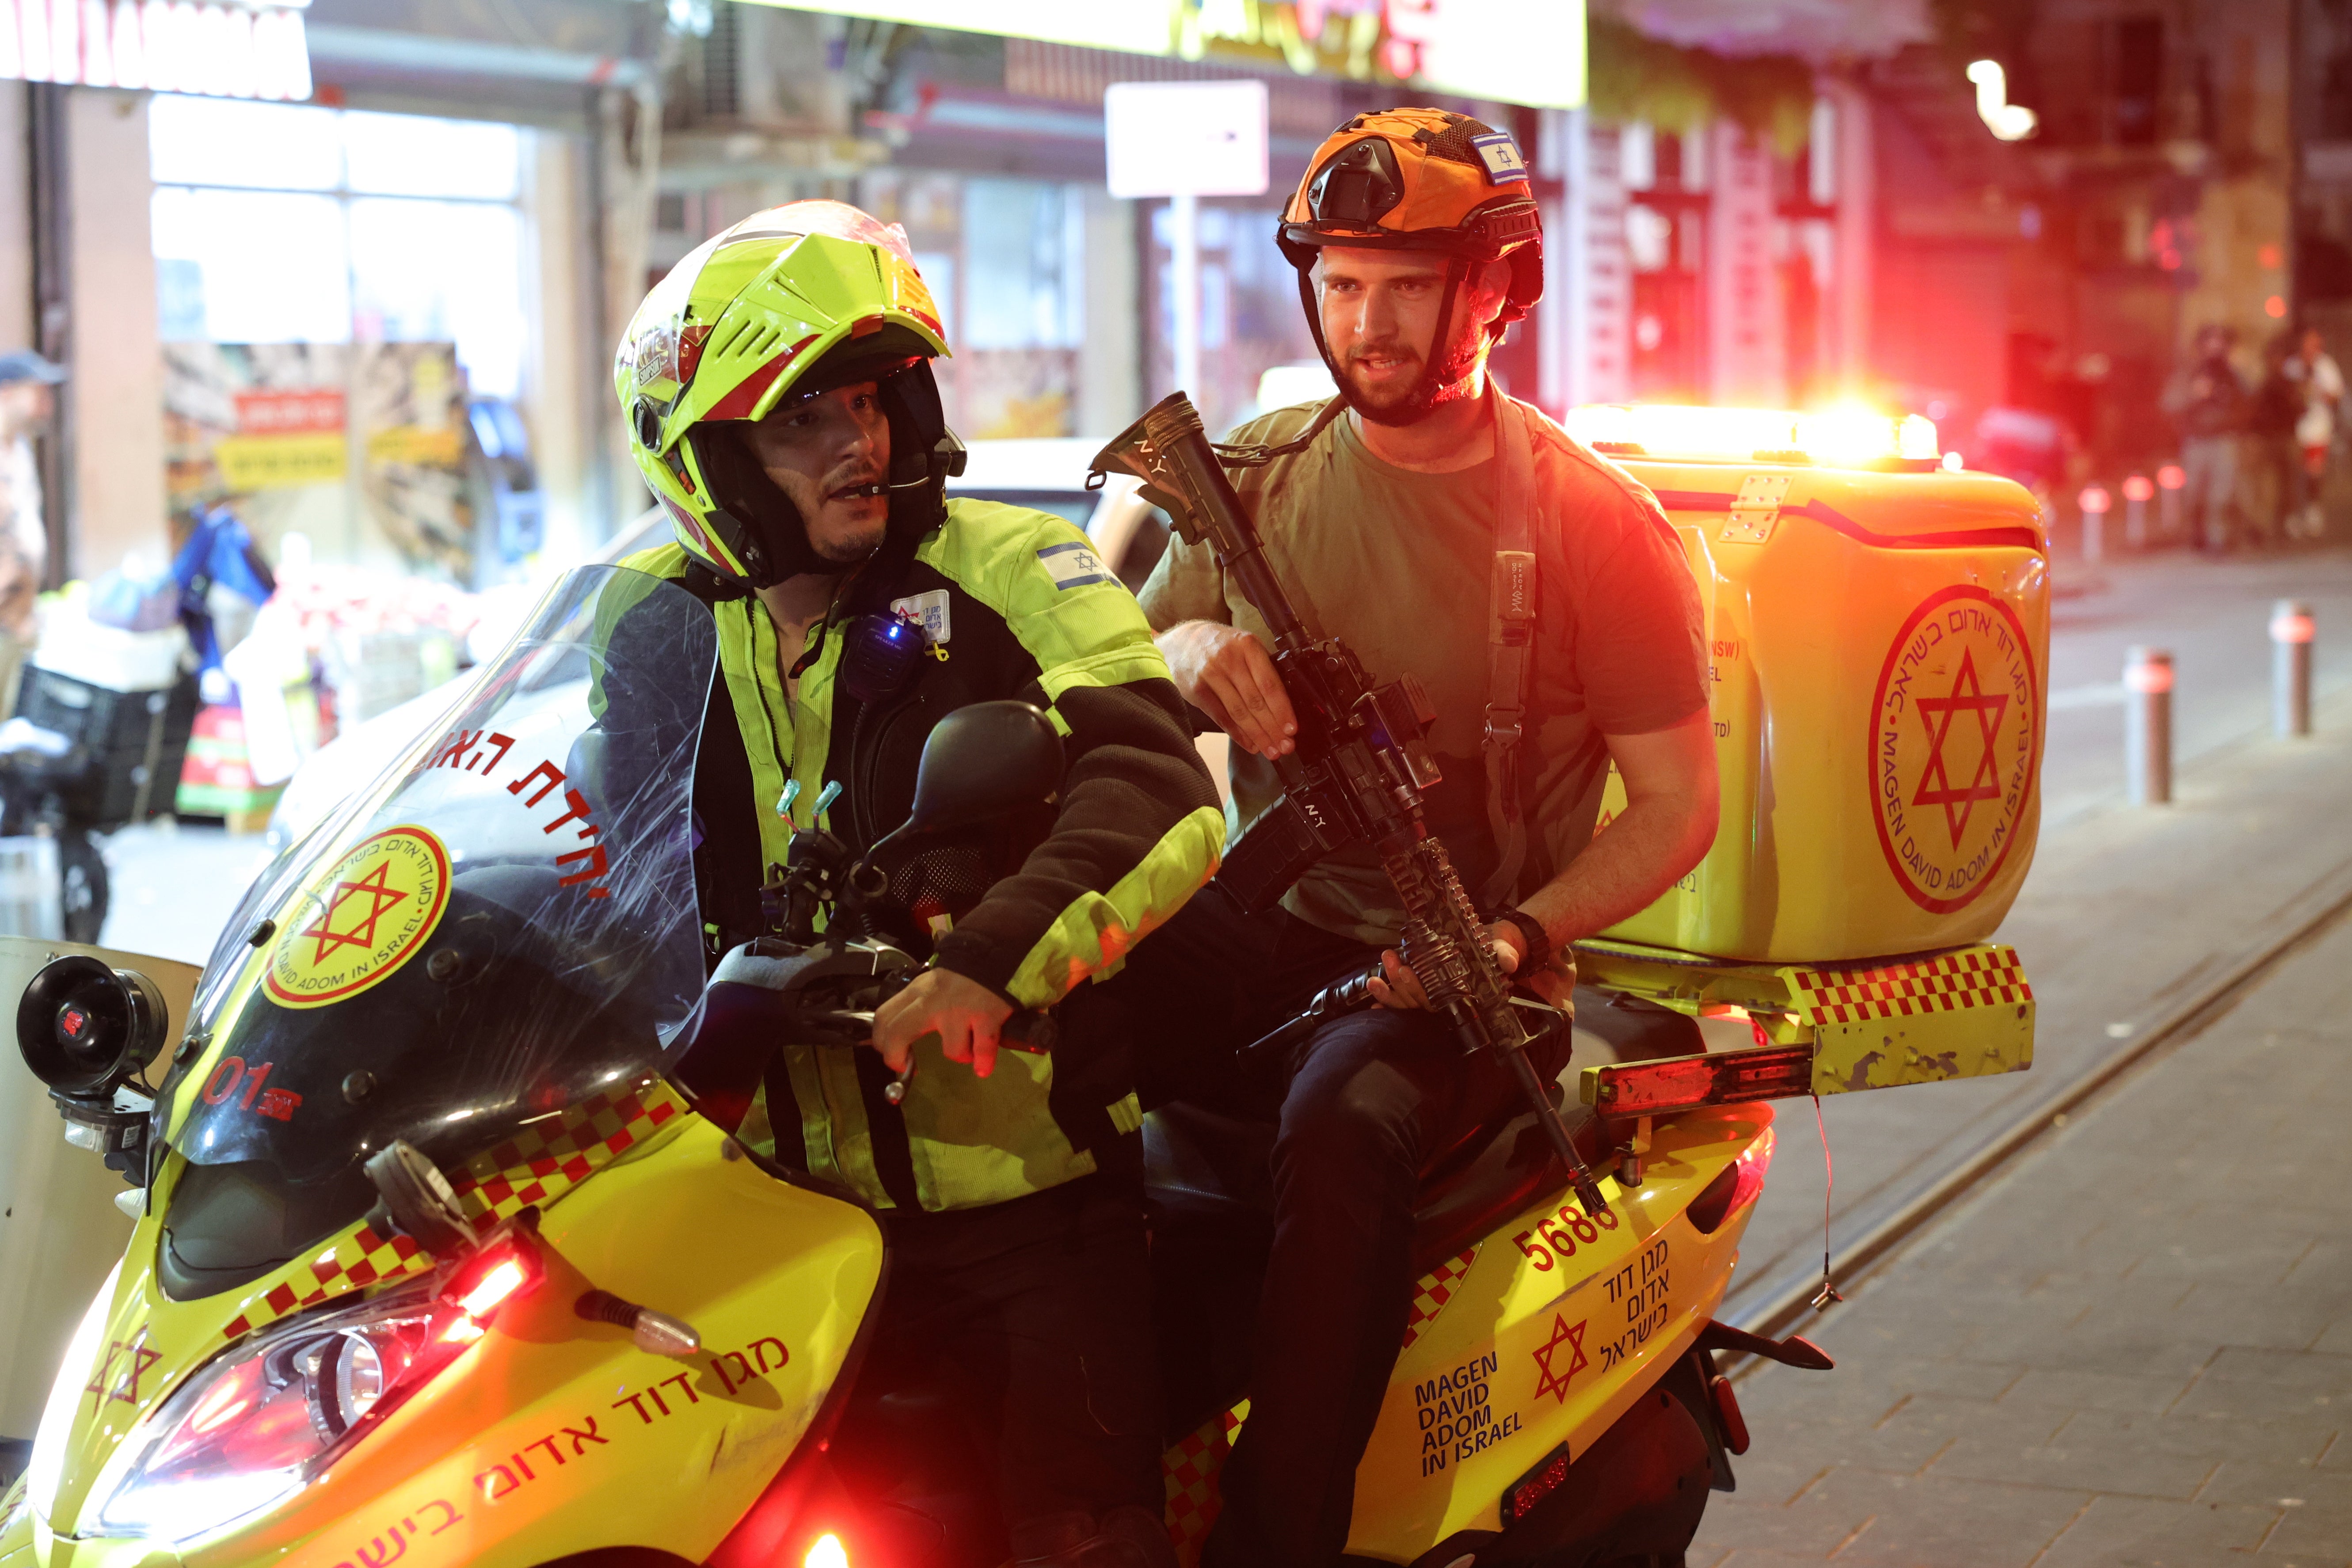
[1528,52]
[168,45]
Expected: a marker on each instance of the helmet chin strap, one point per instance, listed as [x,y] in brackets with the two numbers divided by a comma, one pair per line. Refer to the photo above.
[1437,377]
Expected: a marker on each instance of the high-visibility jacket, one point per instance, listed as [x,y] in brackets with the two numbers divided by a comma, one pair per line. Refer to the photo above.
[1013,603]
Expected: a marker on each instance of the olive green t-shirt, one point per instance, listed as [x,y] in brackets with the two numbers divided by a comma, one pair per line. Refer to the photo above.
[1397,564]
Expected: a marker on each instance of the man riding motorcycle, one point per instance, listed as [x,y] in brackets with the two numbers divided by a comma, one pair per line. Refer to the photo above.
[1443,530]
[778,393]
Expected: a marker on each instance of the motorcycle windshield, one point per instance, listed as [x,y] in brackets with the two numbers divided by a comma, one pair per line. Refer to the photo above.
[502,925]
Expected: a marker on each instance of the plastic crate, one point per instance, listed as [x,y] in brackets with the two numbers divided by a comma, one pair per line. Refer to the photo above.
[136,742]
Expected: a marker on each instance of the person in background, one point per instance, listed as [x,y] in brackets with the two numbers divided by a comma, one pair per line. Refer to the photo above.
[28,404]
[2273,450]
[2315,432]
[2208,402]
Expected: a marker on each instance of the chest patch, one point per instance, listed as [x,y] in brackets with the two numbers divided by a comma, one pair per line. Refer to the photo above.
[928,611]
[1074,564]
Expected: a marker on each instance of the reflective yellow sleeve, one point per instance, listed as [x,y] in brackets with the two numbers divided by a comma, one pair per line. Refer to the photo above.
[1098,930]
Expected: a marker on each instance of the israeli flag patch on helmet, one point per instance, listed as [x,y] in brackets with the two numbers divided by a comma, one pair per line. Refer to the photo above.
[1074,564]
[1501,156]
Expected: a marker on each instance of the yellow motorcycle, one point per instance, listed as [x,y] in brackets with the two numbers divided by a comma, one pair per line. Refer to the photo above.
[459,1229]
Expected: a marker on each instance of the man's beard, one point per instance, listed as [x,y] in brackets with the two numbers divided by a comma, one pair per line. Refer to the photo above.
[849,550]
[845,547]
[1424,395]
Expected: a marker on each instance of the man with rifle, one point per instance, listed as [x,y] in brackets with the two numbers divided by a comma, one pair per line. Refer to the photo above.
[1438,530]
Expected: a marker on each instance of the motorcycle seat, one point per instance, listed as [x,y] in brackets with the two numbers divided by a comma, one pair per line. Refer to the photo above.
[1201,1167]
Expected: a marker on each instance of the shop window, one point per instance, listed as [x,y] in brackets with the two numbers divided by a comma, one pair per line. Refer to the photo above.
[1251,320]
[223,142]
[277,224]
[252,266]
[1022,252]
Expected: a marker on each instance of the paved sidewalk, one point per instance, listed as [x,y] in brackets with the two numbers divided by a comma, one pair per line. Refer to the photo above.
[2127,913]
[2133,1347]
[2214,616]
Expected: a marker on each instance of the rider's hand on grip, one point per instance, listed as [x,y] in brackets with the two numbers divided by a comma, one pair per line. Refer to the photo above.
[964,1015]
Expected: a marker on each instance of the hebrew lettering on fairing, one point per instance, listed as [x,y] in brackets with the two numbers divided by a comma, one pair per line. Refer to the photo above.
[554,777]
[375,1555]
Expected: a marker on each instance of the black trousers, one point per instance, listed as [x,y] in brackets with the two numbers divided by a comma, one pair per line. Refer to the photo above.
[1362,1108]
[1038,1313]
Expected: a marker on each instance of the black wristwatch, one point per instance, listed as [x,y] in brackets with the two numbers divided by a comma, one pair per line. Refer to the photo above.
[1532,932]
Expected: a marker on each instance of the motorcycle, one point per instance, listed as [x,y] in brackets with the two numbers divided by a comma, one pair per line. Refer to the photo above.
[456,1232]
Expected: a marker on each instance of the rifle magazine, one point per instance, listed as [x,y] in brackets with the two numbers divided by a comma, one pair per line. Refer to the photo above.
[1272,854]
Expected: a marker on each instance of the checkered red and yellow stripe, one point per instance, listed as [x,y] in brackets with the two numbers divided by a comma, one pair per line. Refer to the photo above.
[1191,1469]
[1979,977]
[538,1165]
[548,1158]
[1434,1290]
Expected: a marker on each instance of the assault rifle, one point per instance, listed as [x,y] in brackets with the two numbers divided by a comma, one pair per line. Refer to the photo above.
[1358,775]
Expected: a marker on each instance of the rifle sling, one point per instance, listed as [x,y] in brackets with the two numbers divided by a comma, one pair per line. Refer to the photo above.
[1510,635]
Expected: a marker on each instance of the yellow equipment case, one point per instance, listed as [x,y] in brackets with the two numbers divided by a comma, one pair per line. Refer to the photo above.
[1877,635]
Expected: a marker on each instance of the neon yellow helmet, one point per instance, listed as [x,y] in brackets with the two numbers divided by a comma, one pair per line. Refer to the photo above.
[790,302]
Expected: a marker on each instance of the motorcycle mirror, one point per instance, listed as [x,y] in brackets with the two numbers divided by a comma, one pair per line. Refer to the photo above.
[983,761]
[85,1030]
[420,1199]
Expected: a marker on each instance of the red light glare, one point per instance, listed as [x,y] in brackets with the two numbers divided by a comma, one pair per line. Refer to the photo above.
[2274,307]
[497,1285]
[2094,499]
[223,1404]
[1753,1164]
[2171,476]
[2139,488]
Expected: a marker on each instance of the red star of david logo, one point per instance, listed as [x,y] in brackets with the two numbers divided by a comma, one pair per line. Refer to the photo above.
[134,1357]
[1936,784]
[362,935]
[1553,1380]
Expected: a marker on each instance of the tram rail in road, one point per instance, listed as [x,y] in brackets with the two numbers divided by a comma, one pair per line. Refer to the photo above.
[1778,1303]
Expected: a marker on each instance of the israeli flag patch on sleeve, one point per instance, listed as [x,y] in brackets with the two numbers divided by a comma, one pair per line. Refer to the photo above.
[1501,156]
[1074,564]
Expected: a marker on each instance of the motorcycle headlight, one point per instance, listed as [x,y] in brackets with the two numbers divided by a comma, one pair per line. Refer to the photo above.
[265,1417]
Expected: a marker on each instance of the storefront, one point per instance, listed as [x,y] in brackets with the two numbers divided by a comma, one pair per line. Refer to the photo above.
[988,143]
[344,269]
[336,291]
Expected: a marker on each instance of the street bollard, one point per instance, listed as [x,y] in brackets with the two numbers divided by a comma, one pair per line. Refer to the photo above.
[2094,501]
[2138,490]
[2171,480]
[2147,725]
[2291,632]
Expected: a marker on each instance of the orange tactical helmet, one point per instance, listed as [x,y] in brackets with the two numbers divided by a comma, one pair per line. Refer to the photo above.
[1418,179]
